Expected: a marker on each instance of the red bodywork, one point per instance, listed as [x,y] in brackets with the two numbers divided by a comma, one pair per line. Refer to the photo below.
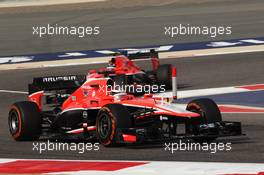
[123,65]
[94,93]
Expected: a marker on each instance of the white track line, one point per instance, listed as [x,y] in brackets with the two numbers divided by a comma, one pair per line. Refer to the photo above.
[258,110]
[13,92]
[42,3]
[74,64]
[204,92]
[243,107]
[229,52]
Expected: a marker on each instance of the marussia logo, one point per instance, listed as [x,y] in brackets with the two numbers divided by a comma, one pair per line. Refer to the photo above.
[61,78]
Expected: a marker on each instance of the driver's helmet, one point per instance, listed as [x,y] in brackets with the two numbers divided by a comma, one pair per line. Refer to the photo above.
[118,93]
[111,63]
[120,96]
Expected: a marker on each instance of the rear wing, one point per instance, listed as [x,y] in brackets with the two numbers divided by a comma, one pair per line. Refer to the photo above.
[143,54]
[48,83]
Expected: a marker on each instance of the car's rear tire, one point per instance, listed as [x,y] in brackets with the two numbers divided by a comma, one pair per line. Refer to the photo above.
[209,112]
[164,75]
[109,119]
[24,121]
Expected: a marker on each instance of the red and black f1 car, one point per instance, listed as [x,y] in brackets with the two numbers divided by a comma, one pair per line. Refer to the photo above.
[79,107]
[123,70]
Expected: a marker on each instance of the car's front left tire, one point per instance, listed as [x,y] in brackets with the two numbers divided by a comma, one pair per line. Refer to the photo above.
[24,121]
[109,119]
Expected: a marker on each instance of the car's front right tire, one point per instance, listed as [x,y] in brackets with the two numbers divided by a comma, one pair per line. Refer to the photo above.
[209,112]
[164,75]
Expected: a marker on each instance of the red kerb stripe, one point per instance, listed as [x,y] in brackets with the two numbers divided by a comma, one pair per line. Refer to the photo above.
[253,87]
[237,109]
[39,166]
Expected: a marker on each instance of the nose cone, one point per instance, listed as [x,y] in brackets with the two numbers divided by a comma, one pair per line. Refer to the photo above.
[177,110]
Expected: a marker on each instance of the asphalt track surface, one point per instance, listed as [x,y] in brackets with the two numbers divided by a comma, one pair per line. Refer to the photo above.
[193,73]
[126,23]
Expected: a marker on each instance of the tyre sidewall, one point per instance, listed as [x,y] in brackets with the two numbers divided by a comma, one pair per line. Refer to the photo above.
[120,118]
[29,121]
[111,136]
[208,109]
[164,74]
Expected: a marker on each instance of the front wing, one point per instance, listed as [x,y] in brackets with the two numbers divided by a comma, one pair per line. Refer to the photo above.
[204,131]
